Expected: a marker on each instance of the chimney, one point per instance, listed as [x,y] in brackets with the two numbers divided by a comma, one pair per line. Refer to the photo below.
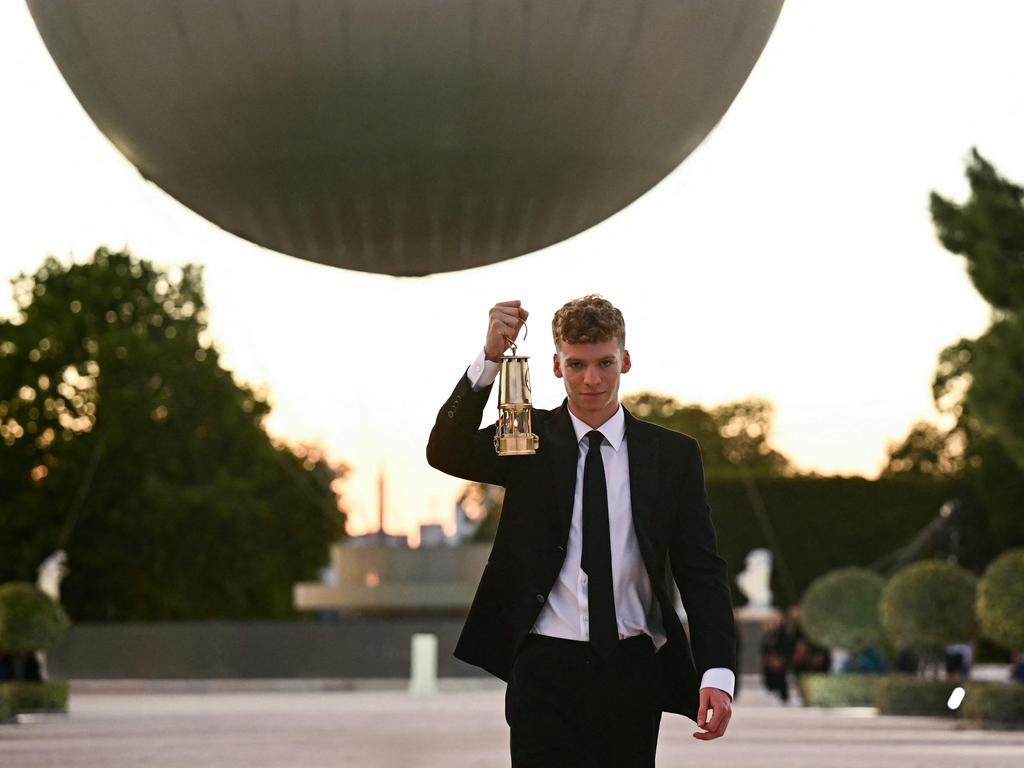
[380,501]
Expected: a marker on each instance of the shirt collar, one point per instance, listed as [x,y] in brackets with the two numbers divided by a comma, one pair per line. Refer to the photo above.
[614,430]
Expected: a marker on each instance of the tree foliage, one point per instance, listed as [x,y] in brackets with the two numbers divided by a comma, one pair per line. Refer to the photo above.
[988,231]
[926,451]
[732,436]
[125,442]
[978,384]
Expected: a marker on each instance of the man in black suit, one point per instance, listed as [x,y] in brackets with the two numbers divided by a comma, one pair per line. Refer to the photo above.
[575,607]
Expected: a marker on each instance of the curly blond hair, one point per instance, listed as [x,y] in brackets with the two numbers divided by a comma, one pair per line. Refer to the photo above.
[588,320]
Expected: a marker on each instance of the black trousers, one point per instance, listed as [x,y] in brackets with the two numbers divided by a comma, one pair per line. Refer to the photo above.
[568,708]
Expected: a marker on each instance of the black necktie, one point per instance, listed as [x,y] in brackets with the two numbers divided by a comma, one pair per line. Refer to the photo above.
[597,551]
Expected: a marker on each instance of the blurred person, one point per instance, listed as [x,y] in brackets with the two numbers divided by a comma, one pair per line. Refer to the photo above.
[773,658]
[566,611]
[810,657]
[20,666]
[791,631]
[867,661]
[1017,667]
[802,655]
[959,657]
[907,660]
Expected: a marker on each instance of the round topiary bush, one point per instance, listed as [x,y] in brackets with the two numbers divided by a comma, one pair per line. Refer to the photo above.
[929,605]
[840,609]
[1000,603]
[30,620]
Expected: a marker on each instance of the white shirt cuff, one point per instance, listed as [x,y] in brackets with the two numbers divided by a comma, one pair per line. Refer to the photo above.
[482,372]
[722,678]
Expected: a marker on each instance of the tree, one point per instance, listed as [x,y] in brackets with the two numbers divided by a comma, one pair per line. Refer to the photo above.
[125,442]
[927,451]
[731,436]
[993,481]
[979,383]
[988,231]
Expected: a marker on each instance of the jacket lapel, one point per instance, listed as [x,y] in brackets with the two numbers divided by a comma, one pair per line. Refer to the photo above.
[643,477]
[563,453]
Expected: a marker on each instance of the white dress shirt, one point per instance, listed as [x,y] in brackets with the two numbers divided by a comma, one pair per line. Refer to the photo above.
[566,613]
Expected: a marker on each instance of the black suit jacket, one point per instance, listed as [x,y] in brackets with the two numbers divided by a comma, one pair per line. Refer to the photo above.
[671,518]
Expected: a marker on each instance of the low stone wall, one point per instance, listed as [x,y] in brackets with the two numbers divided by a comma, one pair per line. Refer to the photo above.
[347,648]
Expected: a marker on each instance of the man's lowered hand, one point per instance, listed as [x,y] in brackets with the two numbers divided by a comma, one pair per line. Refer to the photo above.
[714,713]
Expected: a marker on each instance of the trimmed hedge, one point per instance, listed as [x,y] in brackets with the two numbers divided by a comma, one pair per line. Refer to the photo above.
[823,690]
[36,696]
[909,695]
[850,520]
[6,710]
[995,705]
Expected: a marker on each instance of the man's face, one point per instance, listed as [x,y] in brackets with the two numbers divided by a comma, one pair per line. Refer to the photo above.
[591,374]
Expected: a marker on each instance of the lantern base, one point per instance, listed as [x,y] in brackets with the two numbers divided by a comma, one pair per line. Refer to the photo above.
[516,445]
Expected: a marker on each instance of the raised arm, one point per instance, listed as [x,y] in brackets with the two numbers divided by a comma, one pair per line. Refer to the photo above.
[456,445]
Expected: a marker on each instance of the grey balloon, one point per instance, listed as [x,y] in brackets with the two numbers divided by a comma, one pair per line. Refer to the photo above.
[405,136]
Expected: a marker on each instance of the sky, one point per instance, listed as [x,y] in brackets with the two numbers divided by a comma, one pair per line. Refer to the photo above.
[790,257]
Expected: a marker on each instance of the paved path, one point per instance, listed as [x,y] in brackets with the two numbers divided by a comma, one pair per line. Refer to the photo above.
[389,729]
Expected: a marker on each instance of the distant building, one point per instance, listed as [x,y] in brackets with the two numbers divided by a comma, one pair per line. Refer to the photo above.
[378,573]
[397,580]
[432,536]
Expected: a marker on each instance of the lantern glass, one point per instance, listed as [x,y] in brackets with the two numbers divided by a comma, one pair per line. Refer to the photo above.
[514,434]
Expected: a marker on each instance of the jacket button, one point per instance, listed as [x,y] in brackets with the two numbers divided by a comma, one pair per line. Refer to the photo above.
[561,549]
[451,414]
[540,598]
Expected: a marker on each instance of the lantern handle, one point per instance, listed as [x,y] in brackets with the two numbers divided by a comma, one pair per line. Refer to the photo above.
[512,343]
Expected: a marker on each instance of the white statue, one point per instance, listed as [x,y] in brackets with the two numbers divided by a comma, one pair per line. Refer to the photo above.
[51,572]
[755,579]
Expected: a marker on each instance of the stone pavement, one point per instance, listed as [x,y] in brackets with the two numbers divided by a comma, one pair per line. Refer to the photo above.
[453,729]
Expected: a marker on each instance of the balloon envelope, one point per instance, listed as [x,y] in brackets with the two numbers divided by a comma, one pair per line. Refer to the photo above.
[405,136]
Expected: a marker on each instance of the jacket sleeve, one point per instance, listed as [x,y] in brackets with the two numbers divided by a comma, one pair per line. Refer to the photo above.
[700,573]
[457,447]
